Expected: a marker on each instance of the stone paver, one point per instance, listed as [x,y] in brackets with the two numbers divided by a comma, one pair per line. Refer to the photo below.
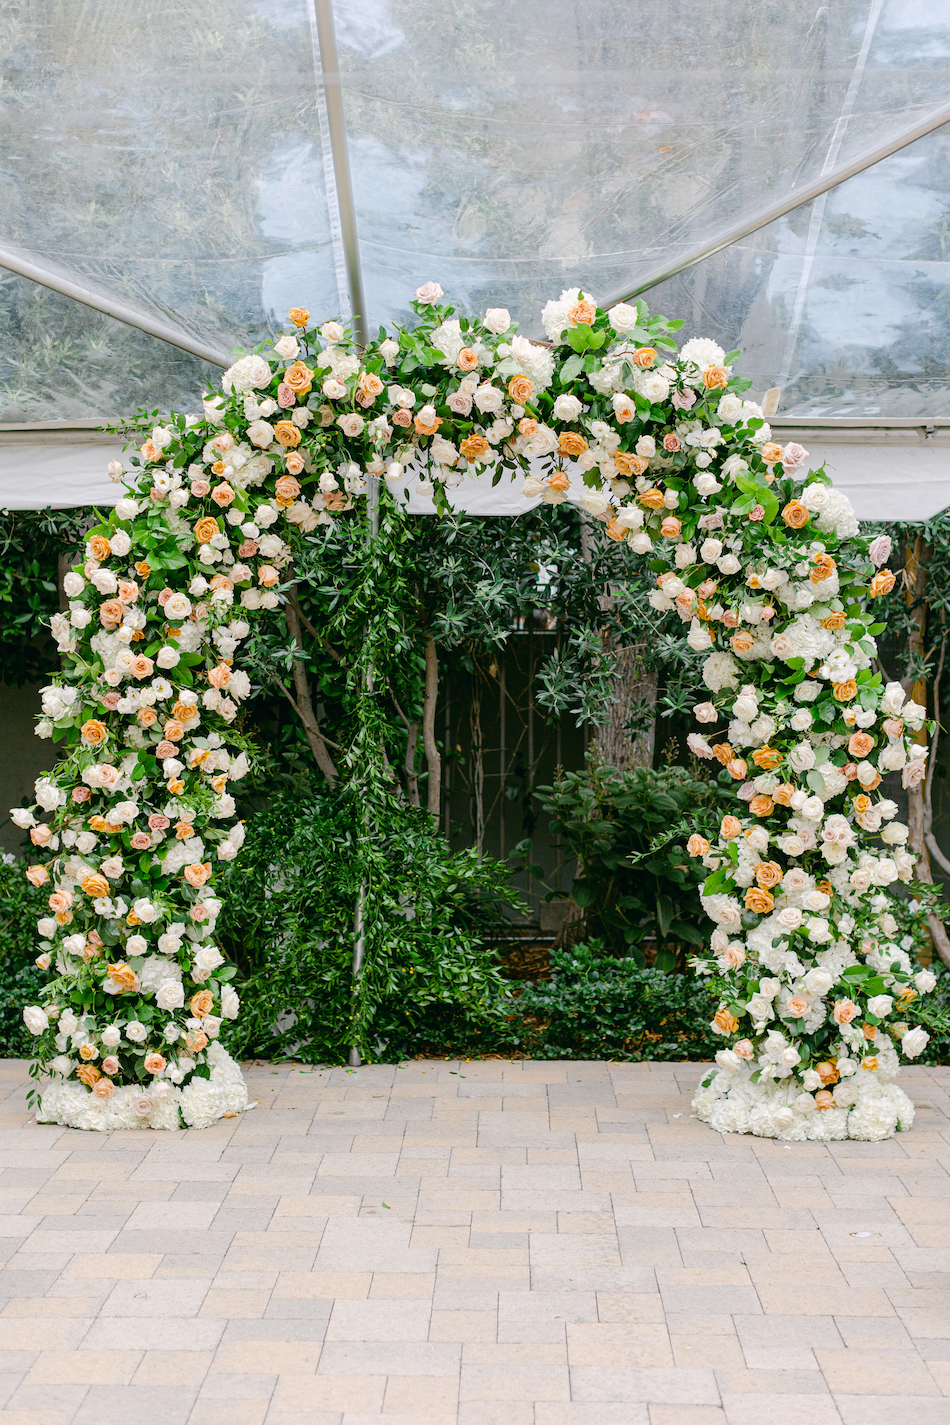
[488,1243]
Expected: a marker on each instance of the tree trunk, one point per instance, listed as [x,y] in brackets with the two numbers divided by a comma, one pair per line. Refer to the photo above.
[433,758]
[412,779]
[302,701]
[612,743]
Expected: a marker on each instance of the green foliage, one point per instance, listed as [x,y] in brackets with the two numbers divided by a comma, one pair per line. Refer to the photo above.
[289,924]
[31,542]
[598,1007]
[628,831]
[20,907]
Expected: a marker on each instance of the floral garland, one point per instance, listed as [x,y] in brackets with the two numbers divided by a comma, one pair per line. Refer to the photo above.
[760,558]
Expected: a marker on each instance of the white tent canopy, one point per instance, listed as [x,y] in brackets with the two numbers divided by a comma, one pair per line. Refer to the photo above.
[894,471]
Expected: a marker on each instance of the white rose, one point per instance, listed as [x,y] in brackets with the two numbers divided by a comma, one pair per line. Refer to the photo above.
[790,917]
[745,706]
[710,550]
[73,584]
[497,320]
[925,980]
[120,542]
[230,1003]
[623,318]
[802,757]
[135,1031]
[728,564]
[915,1042]
[170,995]
[206,959]
[880,1006]
[567,408]
[287,347]
[729,409]
[260,433]
[35,1019]
[893,699]
[818,982]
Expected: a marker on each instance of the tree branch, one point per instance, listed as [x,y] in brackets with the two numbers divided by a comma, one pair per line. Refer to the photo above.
[303,702]
[412,779]
[433,758]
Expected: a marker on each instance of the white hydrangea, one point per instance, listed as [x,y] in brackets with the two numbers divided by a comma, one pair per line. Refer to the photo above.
[554,316]
[720,670]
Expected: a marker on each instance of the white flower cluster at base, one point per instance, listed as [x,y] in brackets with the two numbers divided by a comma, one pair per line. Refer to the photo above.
[876,1108]
[160,1105]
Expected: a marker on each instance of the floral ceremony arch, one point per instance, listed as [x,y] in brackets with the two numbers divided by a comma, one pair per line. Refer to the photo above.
[761,558]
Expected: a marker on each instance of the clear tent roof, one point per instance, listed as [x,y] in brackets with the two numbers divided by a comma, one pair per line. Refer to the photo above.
[175,159]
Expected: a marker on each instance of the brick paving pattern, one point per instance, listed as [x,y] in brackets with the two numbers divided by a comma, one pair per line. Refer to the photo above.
[473,1244]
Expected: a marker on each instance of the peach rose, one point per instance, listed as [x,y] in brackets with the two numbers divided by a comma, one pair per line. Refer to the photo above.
[142,667]
[520,389]
[628,463]
[219,676]
[768,874]
[474,447]
[560,480]
[715,378]
[652,499]
[671,527]
[616,531]
[99,547]
[771,453]
[725,1022]
[767,758]
[128,591]
[371,386]
[882,583]
[88,1074]
[745,1049]
[299,316]
[285,396]
[828,1073]
[860,744]
[111,613]
[103,1088]
[845,691]
[202,1003]
[697,845]
[299,378]
[174,732]
[401,418]
[81,794]
[95,885]
[198,874]
[824,1099]
[141,841]
[797,1006]
[287,434]
[154,1063]
[467,360]
[844,1011]
[730,827]
[294,463]
[834,621]
[742,642]
[206,529]
[761,805]
[267,576]
[758,900]
[570,443]
[94,733]
[671,442]
[223,494]
[37,876]
[796,515]
[110,1065]
[823,568]
[893,726]
[644,357]
[183,830]
[123,975]
[428,427]
[582,314]
[287,489]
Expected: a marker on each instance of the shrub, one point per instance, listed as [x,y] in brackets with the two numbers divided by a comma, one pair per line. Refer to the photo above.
[21,905]
[628,831]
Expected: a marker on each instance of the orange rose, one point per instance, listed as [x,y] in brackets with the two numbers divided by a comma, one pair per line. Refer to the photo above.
[768,874]
[845,691]
[767,758]
[124,976]
[629,464]
[467,359]
[882,583]
[202,1003]
[644,356]
[184,712]
[870,1063]
[218,468]
[206,529]
[198,874]
[824,567]
[88,1074]
[834,621]
[796,515]
[671,527]
[758,900]
[520,389]
[474,447]
[761,805]
[287,489]
[143,569]
[715,378]
[570,443]
[860,744]
[697,845]
[527,426]
[299,378]
[724,752]
[738,769]
[111,613]
[95,885]
[183,830]
[824,1099]
[582,314]
[828,1073]
[725,1022]
[299,316]
[287,434]
[652,498]
[94,733]
[862,804]
[729,828]
[426,427]
[560,480]
[99,547]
